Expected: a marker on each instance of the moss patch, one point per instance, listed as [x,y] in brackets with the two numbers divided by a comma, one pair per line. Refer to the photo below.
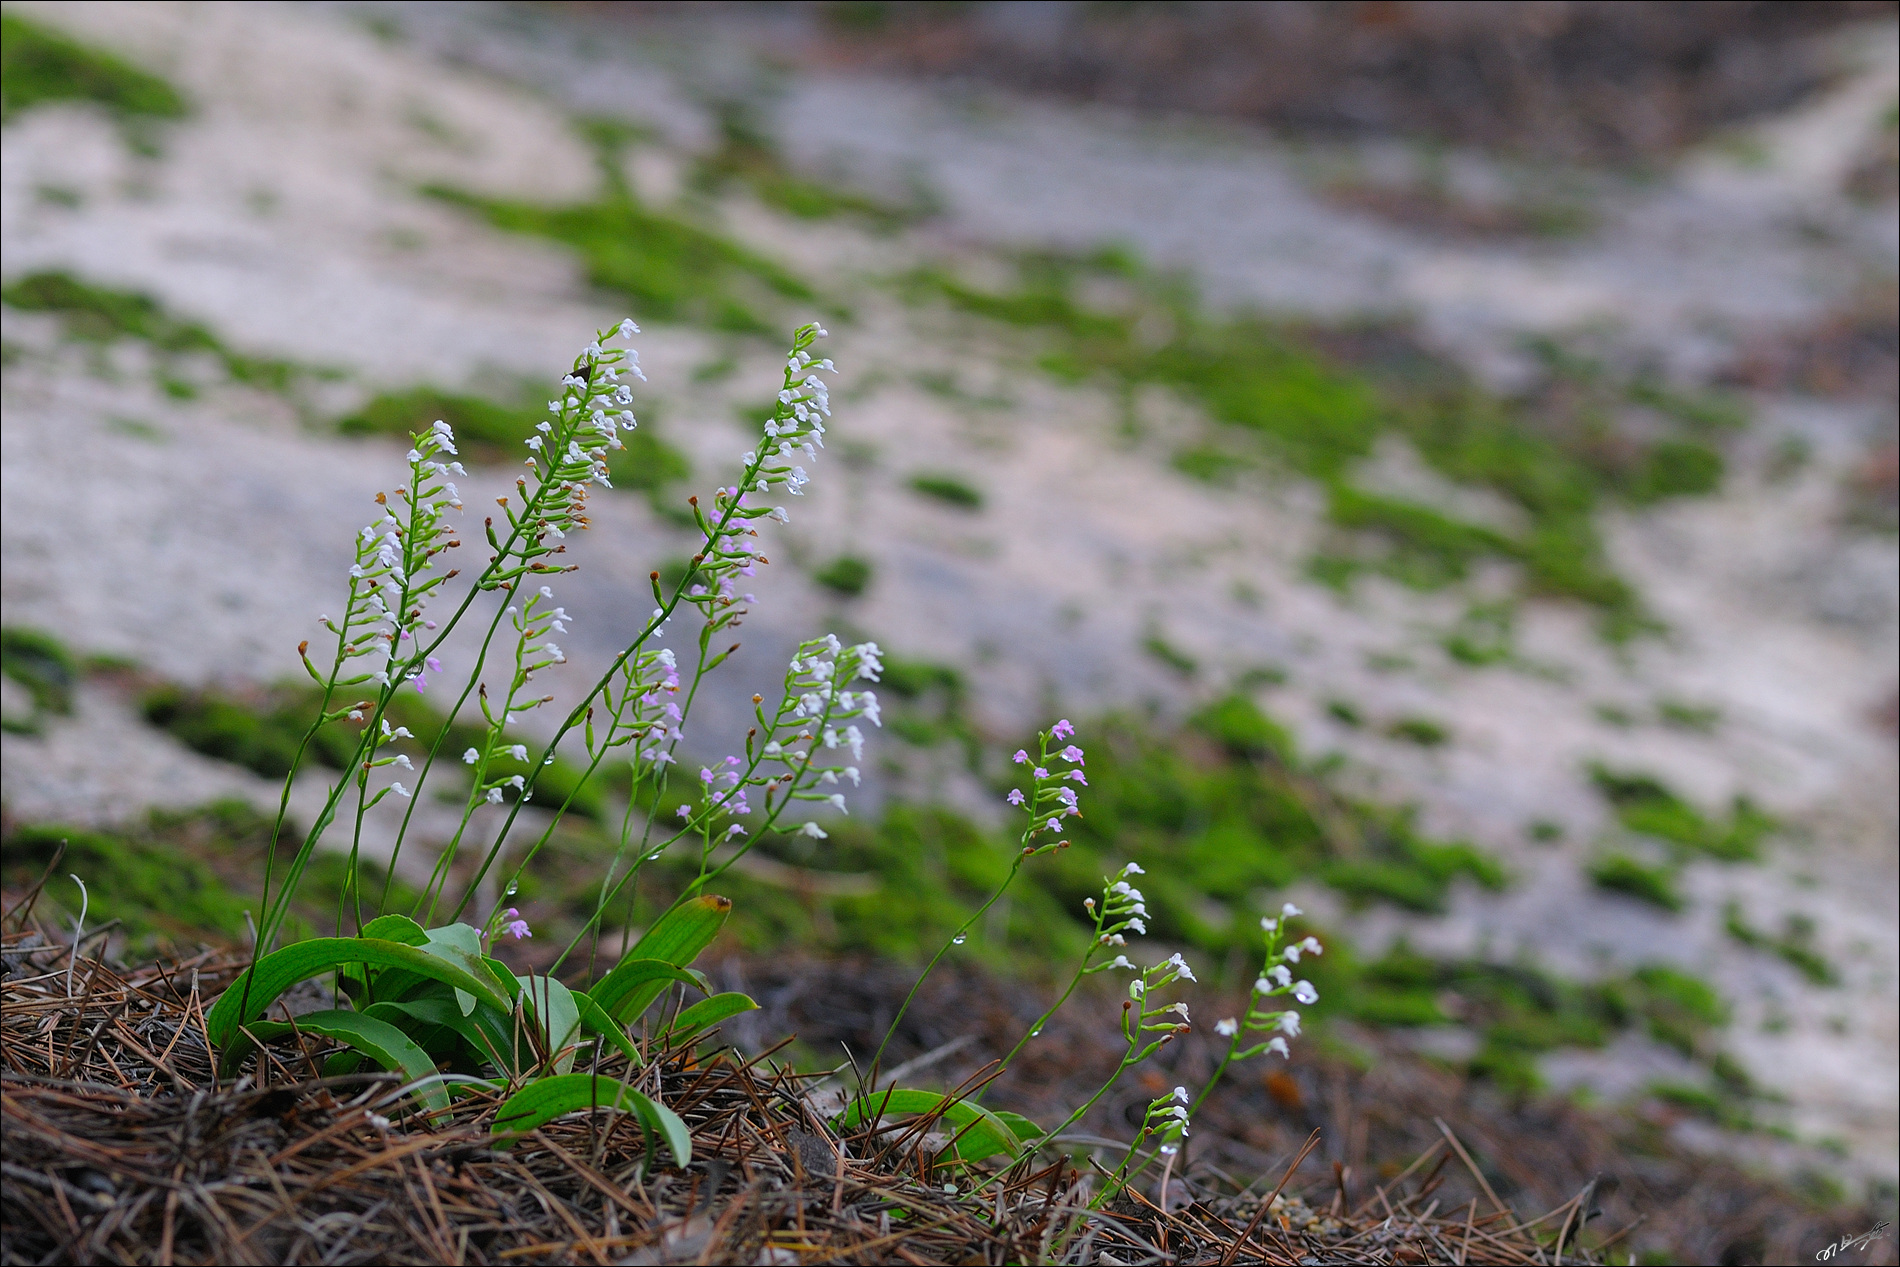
[260,730]
[40,65]
[1318,401]
[747,156]
[42,664]
[182,877]
[665,268]
[1645,805]
[99,314]
[847,575]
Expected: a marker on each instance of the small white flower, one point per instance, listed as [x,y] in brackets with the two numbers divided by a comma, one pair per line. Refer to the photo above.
[399,790]
[1292,953]
[1227,1027]
[778,513]
[1269,924]
[1311,946]
[1289,1023]
[1280,975]
[1137,988]
[1289,910]
[1182,1009]
[1180,965]
[494,796]
[519,751]
[1121,961]
[1279,1045]
[813,830]
[837,801]
[1305,993]
[1133,868]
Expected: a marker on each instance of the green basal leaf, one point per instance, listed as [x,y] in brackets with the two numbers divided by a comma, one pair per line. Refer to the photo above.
[548,1098]
[371,1035]
[281,969]
[466,942]
[707,1013]
[558,1017]
[1022,1126]
[594,1020]
[630,989]
[486,1030]
[676,939]
[979,1132]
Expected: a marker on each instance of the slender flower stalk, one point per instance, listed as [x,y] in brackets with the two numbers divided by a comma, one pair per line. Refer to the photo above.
[1275,980]
[1047,803]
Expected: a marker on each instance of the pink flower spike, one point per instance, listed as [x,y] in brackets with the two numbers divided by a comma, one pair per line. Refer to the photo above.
[435,665]
[1015,796]
[1072,753]
[1021,757]
[686,811]
[418,681]
[1078,777]
[1041,773]
[1062,729]
[518,929]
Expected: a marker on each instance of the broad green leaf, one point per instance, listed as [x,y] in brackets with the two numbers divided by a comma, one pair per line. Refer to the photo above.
[677,939]
[557,1014]
[467,940]
[979,1132]
[504,974]
[630,989]
[485,1029]
[594,1020]
[545,1099]
[1022,1126]
[281,969]
[395,928]
[707,1013]
[459,944]
[373,1036]
[684,931]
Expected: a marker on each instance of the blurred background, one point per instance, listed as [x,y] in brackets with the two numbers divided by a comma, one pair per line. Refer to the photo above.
[1441,456]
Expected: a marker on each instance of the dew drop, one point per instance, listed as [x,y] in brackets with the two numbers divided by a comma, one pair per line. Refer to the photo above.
[513,886]
[958,940]
[1036,1032]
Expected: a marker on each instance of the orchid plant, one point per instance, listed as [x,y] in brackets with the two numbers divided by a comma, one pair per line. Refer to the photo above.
[429,998]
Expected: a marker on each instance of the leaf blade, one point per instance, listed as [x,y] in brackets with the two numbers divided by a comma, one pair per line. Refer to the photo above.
[281,969]
[375,1038]
[707,1013]
[545,1099]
